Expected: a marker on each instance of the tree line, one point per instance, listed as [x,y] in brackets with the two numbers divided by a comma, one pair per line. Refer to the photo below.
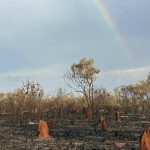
[81,77]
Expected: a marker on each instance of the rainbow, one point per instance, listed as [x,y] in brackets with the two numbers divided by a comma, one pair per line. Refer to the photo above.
[112,25]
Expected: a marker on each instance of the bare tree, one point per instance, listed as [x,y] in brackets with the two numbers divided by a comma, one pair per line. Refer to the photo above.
[81,78]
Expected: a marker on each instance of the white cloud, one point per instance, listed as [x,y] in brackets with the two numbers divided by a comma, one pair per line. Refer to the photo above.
[136,72]
[44,72]
[50,77]
[115,78]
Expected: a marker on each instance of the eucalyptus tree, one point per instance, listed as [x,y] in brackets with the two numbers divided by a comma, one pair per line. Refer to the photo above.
[123,98]
[81,78]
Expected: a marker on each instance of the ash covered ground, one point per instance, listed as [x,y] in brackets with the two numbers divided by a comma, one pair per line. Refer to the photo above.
[80,134]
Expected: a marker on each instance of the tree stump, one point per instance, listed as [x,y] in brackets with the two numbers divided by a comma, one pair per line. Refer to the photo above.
[117,116]
[72,120]
[102,123]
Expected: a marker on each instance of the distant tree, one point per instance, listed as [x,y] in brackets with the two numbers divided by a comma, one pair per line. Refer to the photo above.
[2,102]
[33,89]
[59,98]
[33,95]
[102,98]
[122,96]
[134,95]
[81,78]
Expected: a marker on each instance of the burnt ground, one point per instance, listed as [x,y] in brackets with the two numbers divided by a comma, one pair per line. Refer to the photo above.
[15,134]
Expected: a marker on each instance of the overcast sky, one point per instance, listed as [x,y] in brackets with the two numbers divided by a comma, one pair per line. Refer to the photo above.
[40,39]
